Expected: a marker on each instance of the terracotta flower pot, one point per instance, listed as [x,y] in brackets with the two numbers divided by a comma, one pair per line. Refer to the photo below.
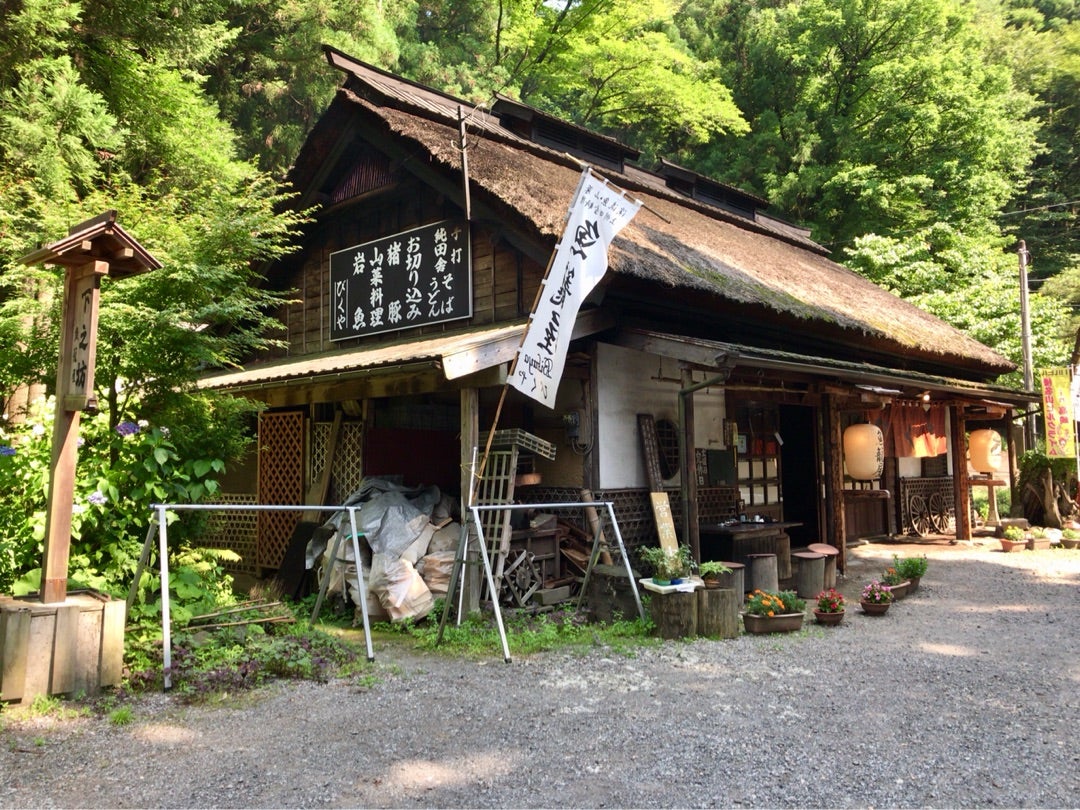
[900,590]
[875,608]
[1008,545]
[829,619]
[780,623]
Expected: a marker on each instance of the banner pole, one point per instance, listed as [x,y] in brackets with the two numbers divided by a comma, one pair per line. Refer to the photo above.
[478,473]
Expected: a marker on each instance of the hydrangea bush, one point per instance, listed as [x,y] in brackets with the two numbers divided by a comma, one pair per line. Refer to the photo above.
[121,471]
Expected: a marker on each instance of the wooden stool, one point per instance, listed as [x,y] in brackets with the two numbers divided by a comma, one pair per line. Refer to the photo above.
[809,573]
[736,580]
[718,612]
[763,575]
[831,553]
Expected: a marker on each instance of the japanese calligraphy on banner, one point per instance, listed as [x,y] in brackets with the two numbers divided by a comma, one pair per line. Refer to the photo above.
[599,211]
[1058,412]
[416,277]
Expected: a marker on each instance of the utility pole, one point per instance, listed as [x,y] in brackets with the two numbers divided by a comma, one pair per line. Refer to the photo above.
[1025,337]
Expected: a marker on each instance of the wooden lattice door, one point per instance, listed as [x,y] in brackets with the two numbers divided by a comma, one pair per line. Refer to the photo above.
[281,481]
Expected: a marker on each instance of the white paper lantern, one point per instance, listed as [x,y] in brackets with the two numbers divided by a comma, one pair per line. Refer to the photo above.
[864,452]
[984,450]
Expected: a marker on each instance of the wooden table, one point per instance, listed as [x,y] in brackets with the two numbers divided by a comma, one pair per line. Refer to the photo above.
[735,542]
[992,518]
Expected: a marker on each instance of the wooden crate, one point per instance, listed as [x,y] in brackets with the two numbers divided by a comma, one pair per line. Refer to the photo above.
[64,647]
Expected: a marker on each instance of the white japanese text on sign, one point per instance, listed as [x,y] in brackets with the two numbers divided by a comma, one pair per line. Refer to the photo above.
[412,278]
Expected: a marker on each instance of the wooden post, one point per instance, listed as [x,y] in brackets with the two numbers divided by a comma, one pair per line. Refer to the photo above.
[688,467]
[834,479]
[74,389]
[961,487]
[470,438]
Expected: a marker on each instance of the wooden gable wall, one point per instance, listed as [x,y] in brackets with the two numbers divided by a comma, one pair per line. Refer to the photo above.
[504,280]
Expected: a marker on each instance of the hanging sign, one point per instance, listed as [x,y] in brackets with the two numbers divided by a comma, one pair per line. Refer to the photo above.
[413,278]
[1058,412]
[599,211]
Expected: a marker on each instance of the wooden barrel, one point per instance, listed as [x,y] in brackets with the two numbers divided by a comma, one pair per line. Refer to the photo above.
[809,573]
[718,612]
[675,614]
[831,553]
[763,576]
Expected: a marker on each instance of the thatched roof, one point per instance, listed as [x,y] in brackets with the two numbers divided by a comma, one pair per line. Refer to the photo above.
[676,246]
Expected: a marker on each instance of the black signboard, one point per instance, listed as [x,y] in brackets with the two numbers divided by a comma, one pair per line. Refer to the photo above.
[413,278]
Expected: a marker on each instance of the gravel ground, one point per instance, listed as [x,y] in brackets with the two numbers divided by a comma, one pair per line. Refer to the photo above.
[967,694]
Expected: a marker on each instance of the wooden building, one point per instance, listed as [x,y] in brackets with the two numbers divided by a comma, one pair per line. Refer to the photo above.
[725,333]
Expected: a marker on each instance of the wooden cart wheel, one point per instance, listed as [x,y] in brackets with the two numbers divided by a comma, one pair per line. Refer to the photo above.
[919,515]
[940,514]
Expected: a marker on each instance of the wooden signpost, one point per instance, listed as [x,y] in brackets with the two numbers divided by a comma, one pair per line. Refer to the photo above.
[92,250]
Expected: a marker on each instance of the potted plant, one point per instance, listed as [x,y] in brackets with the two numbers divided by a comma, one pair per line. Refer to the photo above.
[773,612]
[875,598]
[1038,539]
[911,568]
[669,567]
[1013,539]
[898,586]
[1070,538]
[711,571]
[829,609]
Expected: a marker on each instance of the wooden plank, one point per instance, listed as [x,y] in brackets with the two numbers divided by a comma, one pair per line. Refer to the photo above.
[14,644]
[88,648]
[665,526]
[65,649]
[650,447]
[316,494]
[111,671]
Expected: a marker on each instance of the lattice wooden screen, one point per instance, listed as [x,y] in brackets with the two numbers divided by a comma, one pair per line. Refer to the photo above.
[348,460]
[234,530]
[281,481]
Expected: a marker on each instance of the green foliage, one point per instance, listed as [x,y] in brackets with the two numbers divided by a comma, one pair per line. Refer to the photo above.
[910,567]
[1014,533]
[478,637]
[206,664]
[773,603]
[121,716]
[667,565]
[712,568]
[121,471]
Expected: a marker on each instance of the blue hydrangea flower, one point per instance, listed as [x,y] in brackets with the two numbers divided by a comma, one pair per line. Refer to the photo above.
[5,450]
[96,498]
[127,428]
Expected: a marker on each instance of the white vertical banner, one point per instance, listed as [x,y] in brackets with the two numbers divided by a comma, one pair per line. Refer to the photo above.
[599,211]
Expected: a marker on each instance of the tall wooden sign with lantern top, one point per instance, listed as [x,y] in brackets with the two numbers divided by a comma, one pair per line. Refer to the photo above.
[93,249]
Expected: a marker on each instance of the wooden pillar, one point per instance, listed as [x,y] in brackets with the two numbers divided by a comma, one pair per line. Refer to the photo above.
[1009,431]
[834,479]
[961,487]
[470,438]
[688,468]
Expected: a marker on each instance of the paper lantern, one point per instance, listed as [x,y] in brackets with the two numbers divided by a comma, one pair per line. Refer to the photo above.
[864,452]
[984,451]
